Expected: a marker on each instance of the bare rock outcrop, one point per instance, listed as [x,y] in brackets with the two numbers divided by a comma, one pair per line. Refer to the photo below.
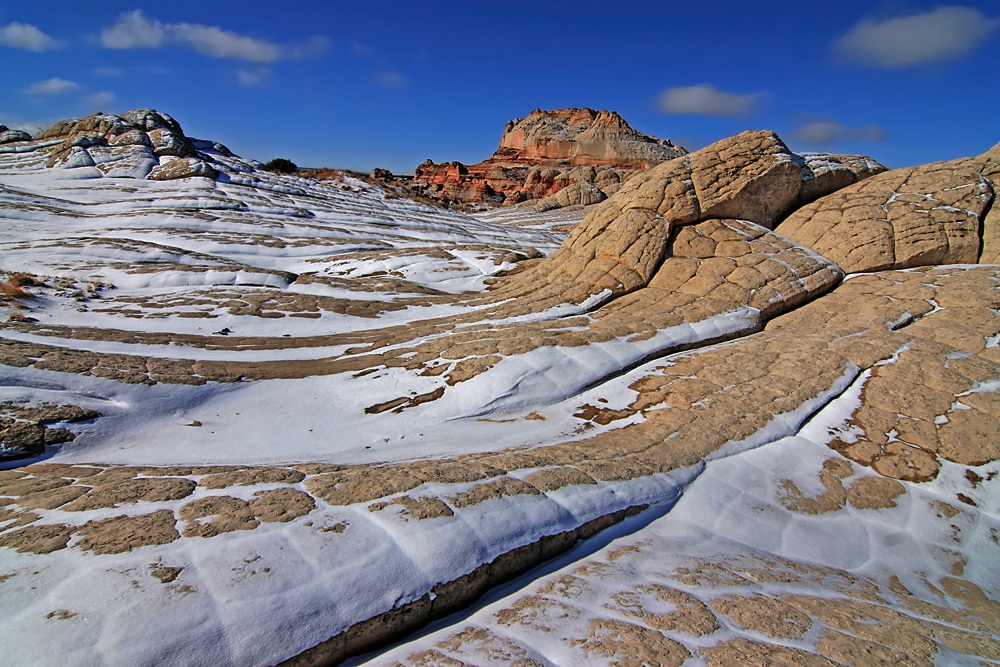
[20,439]
[150,119]
[824,173]
[547,151]
[581,193]
[25,430]
[581,137]
[58,129]
[182,168]
[898,219]
[125,146]
[751,176]
[8,136]
[988,164]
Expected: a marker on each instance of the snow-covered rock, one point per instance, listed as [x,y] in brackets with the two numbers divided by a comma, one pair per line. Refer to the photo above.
[262,416]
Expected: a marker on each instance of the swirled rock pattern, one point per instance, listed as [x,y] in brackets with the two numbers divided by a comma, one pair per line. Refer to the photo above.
[256,419]
[8,135]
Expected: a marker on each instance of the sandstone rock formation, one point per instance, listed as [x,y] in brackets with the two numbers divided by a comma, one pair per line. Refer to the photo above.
[8,136]
[25,431]
[544,152]
[653,599]
[825,172]
[700,337]
[582,193]
[901,218]
[581,137]
[752,176]
[988,164]
[131,145]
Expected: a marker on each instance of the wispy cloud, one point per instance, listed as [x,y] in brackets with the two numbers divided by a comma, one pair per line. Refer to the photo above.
[313,47]
[946,33]
[101,101]
[218,43]
[829,132]
[707,100]
[25,36]
[135,30]
[383,73]
[258,77]
[51,87]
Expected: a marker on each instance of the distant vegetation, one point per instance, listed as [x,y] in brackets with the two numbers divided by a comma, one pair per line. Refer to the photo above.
[281,166]
[397,189]
[13,288]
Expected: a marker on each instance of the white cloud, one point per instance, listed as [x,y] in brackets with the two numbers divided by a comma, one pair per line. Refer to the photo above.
[828,132]
[707,100]
[50,87]
[24,36]
[101,101]
[219,43]
[255,78]
[946,33]
[135,30]
[391,79]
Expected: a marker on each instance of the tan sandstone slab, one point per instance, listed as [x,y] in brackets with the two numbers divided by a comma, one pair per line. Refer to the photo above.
[898,219]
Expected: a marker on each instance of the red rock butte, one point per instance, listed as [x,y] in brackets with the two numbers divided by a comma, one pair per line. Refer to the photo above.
[548,151]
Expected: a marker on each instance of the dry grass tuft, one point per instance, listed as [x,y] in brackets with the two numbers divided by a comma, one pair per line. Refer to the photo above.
[13,288]
[326,174]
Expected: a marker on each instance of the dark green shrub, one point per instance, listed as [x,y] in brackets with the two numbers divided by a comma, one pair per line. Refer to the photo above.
[281,165]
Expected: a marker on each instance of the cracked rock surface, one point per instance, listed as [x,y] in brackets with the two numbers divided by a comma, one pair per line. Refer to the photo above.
[292,420]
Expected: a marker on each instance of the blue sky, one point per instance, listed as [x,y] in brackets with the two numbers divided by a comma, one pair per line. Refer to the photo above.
[389,83]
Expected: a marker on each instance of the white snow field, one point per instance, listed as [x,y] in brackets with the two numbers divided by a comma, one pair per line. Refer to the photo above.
[315,412]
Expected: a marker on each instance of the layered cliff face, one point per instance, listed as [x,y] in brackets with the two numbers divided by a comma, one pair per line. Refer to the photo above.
[547,151]
[581,137]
